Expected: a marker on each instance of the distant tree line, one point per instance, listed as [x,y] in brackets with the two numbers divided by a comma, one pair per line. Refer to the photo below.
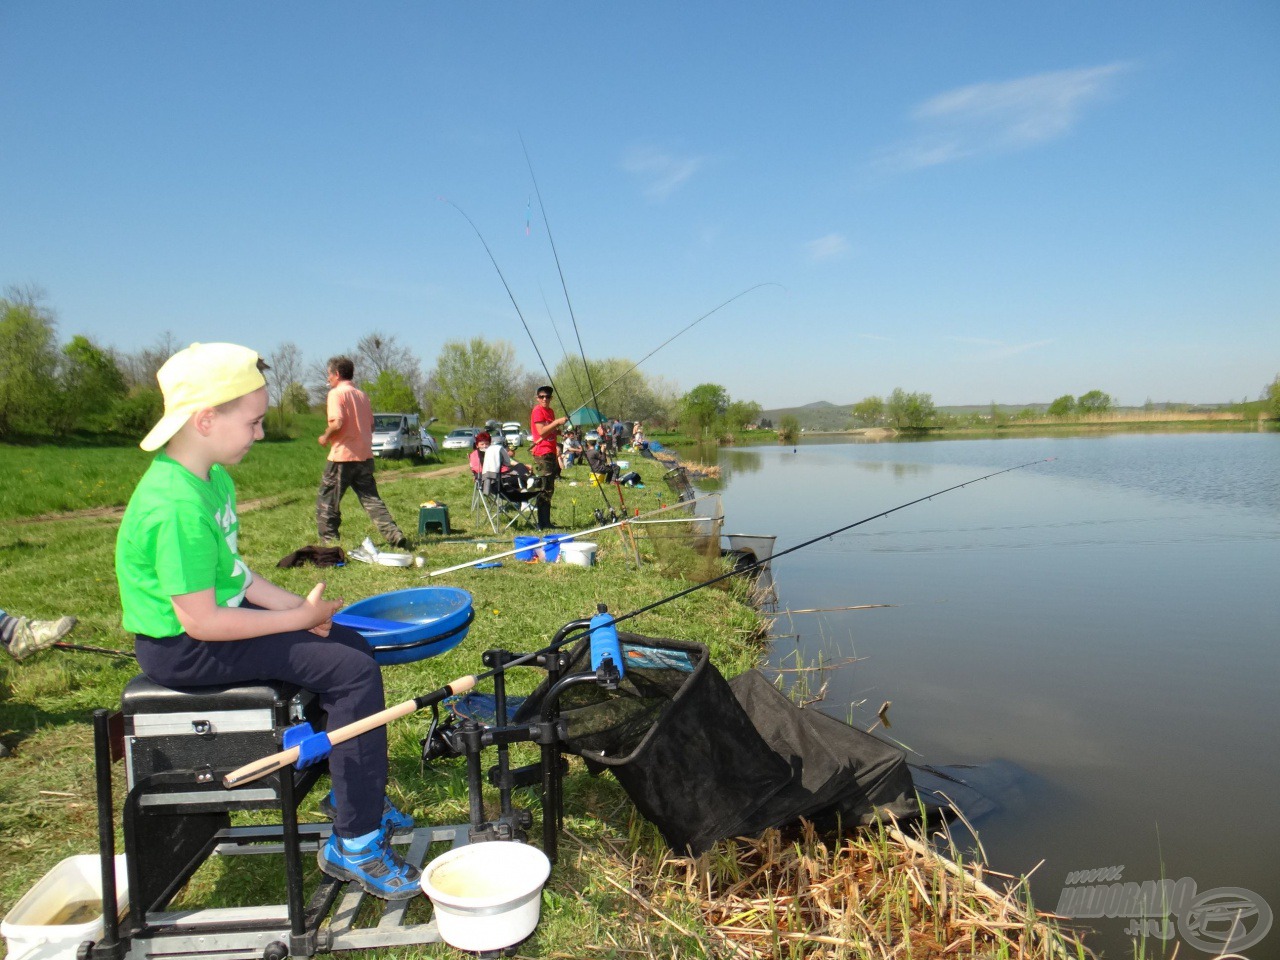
[48,388]
[916,411]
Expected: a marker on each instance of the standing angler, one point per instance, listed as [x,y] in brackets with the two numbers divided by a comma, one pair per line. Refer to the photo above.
[544,427]
[349,437]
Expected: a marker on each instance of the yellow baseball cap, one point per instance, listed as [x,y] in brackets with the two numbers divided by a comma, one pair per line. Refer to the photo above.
[202,375]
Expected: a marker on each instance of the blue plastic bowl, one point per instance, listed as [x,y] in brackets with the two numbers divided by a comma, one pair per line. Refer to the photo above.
[432,620]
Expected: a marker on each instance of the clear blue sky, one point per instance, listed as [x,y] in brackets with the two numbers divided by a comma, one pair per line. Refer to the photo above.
[1006,201]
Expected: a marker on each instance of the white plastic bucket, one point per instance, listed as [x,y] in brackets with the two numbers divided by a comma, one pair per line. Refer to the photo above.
[580,554]
[62,910]
[487,896]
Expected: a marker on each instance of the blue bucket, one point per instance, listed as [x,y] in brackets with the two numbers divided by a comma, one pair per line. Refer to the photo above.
[408,625]
[525,547]
[551,548]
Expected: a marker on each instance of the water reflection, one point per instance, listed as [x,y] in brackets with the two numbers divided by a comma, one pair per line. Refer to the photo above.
[1105,623]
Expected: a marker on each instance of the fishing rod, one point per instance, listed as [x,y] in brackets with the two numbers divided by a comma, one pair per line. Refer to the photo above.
[597,394]
[595,400]
[560,340]
[520,313]
[280,760]
[767,283]
[84,648]
[586,367]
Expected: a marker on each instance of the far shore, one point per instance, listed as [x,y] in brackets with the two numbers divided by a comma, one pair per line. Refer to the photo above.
[1139,420]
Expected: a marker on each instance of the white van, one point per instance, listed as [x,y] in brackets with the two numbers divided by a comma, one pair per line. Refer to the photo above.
[397,435]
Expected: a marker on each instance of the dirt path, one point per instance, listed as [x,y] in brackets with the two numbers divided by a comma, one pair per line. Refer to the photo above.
[246,506]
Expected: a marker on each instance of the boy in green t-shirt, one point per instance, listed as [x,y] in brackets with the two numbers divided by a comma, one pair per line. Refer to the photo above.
[201,617]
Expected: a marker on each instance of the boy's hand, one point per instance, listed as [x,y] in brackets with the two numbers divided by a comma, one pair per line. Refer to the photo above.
[323,610]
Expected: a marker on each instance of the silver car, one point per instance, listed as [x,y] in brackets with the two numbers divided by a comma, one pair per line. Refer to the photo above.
[464,438]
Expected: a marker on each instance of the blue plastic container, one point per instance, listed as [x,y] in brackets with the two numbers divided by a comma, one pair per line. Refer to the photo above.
[551,548]
[526,547]
[432,621]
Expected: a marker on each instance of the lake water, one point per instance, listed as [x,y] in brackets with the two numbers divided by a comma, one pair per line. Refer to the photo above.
[1101,633]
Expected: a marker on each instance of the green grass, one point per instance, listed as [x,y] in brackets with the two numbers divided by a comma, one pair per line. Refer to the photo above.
[50,567]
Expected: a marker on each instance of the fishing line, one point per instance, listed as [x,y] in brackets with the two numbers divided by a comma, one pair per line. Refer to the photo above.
[506,286]
[767,283]
[810,542]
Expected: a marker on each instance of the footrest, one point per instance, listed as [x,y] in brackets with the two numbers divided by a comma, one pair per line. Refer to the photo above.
[391,930]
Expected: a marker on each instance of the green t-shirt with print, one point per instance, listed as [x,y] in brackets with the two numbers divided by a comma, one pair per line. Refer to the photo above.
[179,535]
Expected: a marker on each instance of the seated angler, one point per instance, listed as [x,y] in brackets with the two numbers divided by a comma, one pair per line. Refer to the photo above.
[598,461]
[201,617]
[493,462]
[572,448]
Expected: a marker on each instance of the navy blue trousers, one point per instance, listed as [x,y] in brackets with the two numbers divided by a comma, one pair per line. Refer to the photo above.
[338,668]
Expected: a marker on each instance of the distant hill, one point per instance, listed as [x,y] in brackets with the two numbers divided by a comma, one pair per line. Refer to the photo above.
[823,415]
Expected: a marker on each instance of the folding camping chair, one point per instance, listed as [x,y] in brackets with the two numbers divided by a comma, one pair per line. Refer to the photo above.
[487,498]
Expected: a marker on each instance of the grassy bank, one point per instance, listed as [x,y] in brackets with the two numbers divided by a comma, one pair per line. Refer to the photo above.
[617,890]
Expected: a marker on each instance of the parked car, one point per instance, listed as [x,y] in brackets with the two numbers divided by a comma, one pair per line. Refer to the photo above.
[397,435]
[513,434]
[464,438]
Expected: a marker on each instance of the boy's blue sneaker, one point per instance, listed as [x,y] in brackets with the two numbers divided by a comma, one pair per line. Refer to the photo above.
[377,868]
[393,819]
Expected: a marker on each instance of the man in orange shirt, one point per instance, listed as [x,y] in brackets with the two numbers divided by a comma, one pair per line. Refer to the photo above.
[349,437]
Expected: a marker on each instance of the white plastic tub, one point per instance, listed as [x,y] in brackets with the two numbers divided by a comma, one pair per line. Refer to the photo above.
[487,896]
[579,553]
[62,910]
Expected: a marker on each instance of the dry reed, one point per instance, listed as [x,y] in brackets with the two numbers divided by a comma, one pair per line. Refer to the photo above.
[875,894]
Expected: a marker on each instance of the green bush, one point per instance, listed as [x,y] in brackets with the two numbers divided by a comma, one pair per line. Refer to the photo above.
[133,415]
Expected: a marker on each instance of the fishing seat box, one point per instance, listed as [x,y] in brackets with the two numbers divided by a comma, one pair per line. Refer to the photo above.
[178,744]
[208,731]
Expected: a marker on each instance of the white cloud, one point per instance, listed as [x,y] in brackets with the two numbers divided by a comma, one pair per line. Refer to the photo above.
[998,349]
[663,172]
[1001,117]
[827,248]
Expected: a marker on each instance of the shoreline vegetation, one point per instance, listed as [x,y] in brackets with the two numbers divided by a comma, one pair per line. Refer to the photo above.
[1111,421]
[617,889]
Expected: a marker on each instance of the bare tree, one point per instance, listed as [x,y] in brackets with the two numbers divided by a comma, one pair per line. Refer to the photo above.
[285,363]
[377,353]
[140,368]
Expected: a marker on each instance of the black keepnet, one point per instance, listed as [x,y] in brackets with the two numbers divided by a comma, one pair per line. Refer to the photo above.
[704,759]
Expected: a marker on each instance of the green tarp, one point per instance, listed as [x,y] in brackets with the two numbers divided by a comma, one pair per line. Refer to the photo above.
[586,417]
